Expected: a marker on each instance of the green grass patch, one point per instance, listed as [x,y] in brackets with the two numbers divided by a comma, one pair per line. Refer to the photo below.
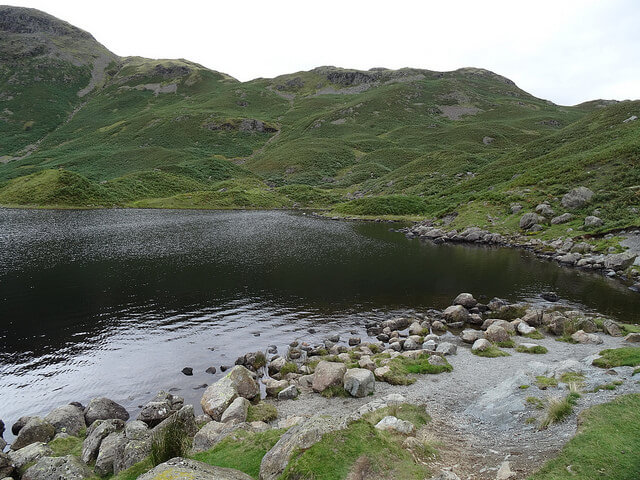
[618,357]
[535,335]
[241,451]
[262,412]
[359,449]
[524,387]
[607,445]
[557,409]
[133,472]
[289,367]
[574,378]
[415,414]
[170,442]
[335,391]
[538,349]
[67,446]
[491,352]
[535,402]
[544,382]
[506,344]
[402,369]
[629,328]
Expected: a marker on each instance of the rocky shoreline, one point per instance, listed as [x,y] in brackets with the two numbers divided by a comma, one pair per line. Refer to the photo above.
[344,380]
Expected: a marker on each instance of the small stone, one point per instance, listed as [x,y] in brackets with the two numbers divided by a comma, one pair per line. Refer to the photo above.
[481,345]
[289,393]
[447,348]
[395,424]
[187,371]
[211,370]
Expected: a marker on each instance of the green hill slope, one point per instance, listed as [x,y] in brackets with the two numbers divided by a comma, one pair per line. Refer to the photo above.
[171,133]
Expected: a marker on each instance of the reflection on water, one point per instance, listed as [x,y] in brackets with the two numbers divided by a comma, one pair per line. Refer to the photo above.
[116,302]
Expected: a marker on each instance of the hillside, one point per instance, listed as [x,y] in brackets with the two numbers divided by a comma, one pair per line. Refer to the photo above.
[81,127]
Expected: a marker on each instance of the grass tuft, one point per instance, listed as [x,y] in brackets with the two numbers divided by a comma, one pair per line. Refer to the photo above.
[262,412]
[491,352]
[170,442]
[618,357]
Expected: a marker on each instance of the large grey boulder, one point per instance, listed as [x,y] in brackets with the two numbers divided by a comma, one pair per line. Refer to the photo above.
[107,453]
[456,313]
[183,468]
[236,412]
[299,437]
[237,383]
[102,408]
[582,337]
[466,300]
[129,452]
[560,219]
[359,382]
[67,419]
[21,422]
[36,430]
[213,433]
[470,335]
[529,220]
[619,261]
[611,328]
[577,198]
[29,454]
[97,432]
[593,222]
[186,419]
[58,468]
[480,345]
[328,374]
[545,210]
[6,465]
[446,348]
[495,333]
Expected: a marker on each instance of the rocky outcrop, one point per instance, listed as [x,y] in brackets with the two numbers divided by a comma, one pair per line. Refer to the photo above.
[577,198]
[299,437]
[183,468]
[96,433]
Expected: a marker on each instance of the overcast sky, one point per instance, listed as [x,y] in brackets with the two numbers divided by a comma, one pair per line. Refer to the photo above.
[567,51]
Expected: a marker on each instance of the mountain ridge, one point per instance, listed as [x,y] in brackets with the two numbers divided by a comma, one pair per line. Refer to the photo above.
[131,131]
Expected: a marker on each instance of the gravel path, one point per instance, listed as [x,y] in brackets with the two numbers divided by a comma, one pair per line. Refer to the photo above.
[479,411]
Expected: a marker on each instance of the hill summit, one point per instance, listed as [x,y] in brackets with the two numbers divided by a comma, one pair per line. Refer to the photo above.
[80,126]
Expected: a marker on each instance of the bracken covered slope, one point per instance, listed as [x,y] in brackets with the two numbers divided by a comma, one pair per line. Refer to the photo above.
[80,126]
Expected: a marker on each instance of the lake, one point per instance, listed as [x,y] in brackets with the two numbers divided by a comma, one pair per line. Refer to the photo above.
[116,302]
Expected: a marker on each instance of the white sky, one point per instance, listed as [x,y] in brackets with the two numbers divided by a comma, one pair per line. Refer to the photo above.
[567,51]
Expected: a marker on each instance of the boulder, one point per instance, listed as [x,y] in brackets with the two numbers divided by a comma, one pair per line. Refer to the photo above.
[582,337]
[154,412]
[455,313]
[104,409]
[183,468]
[412,343]
[470,335]
[390,423]
[466,300]
[495,333]
[300,437]
[480,345]
[67,419]
[6,465]
[59,468]
[619,261]
[545,210]
[446,348]
[328,374]
[21,422]
[36,430]
[529,220]
[524,329]
[276,365]
[213,433]
[129,452]
[564,218]
[136,430]
[632,338]
[107,453]
[593,222]
[98,431]
[29,454]
[611,328]
[359,382]
[577,198]
[381,372]
[437,360]
[366,362]
[237,383]
[289,393]
[273,387]
[569,258]
[236,412]
[185,417]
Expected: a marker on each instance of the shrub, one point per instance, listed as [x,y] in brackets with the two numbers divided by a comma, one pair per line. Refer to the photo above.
[262,412]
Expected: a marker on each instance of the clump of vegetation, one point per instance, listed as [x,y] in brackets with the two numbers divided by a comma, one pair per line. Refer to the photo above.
[538,349]
[524,387]
[170,442]
[603,446]
[70,445]
[575,378]
[535,402]
[544,382]
[618,357]
[334,391]
[608,386]
[403,367]
[262,412]
[557,409]
[241,451]
[535,335]
[506,344]
[415,414]
[289,367]
[491,352]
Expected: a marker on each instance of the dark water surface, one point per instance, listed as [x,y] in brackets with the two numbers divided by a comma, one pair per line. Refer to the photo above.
[117,302]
